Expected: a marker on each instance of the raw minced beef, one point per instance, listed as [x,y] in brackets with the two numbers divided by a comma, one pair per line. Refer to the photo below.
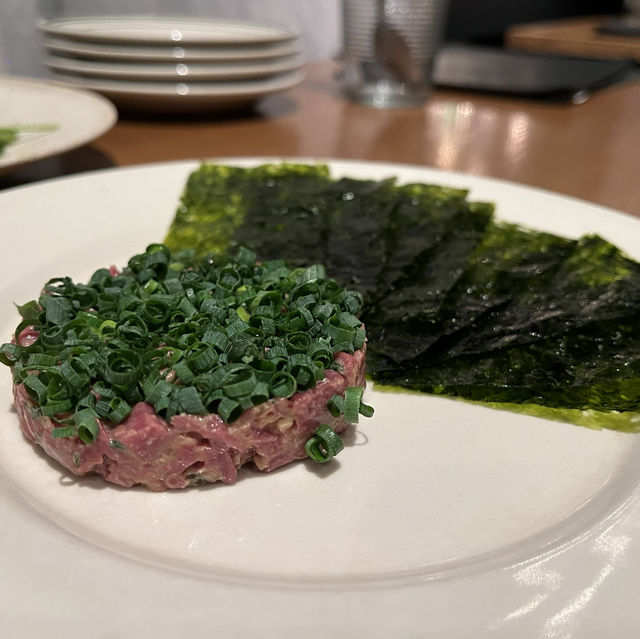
[145,449]
[176,371]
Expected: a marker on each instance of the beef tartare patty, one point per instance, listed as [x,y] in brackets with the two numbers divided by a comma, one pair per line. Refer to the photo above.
[190,449]
[174,372]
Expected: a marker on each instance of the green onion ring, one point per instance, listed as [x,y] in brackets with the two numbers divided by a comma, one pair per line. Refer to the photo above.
[324,444]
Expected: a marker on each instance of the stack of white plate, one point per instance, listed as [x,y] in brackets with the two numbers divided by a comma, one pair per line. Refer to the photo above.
[173,64]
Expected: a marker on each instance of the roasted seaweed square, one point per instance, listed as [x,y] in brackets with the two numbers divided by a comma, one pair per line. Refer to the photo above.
[456,303]
[595,282]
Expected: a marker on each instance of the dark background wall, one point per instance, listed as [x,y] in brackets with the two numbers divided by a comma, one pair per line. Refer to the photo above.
[484,21]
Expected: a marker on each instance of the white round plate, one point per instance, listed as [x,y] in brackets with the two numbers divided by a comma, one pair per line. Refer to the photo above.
[169,53]
[439,519]
[163,30]
[178,72]
[183,97]
[76,117]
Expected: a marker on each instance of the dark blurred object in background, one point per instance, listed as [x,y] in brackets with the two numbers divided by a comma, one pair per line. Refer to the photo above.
[485,21]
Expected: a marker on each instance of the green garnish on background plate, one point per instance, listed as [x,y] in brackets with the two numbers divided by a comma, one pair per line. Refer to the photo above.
[9,134]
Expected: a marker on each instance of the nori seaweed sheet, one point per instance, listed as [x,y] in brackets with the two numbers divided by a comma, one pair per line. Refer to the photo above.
[596,282]
[287,208]
[425,283]
[595,368]
[270,209]
[356,243]
[395,324]
[307,218]
[211,207]
[505,263]
[455,302]
[421,216]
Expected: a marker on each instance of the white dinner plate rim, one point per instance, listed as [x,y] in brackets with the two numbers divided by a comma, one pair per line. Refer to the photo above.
[435,596]
[176,71]
[170,53]
[195,89]
[189,96]
[143,29]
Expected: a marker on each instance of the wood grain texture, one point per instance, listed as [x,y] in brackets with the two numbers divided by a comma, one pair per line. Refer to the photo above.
[576,36]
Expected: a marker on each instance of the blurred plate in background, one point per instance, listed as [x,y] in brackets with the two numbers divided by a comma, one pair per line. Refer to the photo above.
[173,64]
[176,71]
[168,53]
[182,97]
[168,30]
[67,118]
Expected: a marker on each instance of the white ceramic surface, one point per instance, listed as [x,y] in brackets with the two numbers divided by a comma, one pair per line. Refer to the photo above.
[163,30]
[169,53]
[178,72]
[77,115]
[439,519]
[183,97]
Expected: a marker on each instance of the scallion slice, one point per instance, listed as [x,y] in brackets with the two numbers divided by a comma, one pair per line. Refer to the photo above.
[229,409]
[122,366]
[63,431]
[352,398]
[335,405]
[9,354]
[190,401]
[324,444]
[87,427]
[283,384]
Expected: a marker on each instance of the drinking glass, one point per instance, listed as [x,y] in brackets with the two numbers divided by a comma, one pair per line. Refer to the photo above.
[388,50]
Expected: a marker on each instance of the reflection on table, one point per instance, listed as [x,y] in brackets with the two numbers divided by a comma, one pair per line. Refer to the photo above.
[587,151]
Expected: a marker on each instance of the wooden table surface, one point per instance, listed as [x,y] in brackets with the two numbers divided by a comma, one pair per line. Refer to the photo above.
[574,37]
[590,151]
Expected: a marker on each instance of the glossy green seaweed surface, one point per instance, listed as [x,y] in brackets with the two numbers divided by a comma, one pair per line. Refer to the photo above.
[456,303]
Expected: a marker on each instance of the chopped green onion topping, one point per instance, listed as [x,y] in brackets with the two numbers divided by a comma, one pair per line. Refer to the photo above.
[350,406]
[352,397]
[63,431]
[185,335]
[336,405]
[87,427]
[324,444]
[366,410]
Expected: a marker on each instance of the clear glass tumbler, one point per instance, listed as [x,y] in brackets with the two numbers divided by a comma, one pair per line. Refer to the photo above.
[388,50]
